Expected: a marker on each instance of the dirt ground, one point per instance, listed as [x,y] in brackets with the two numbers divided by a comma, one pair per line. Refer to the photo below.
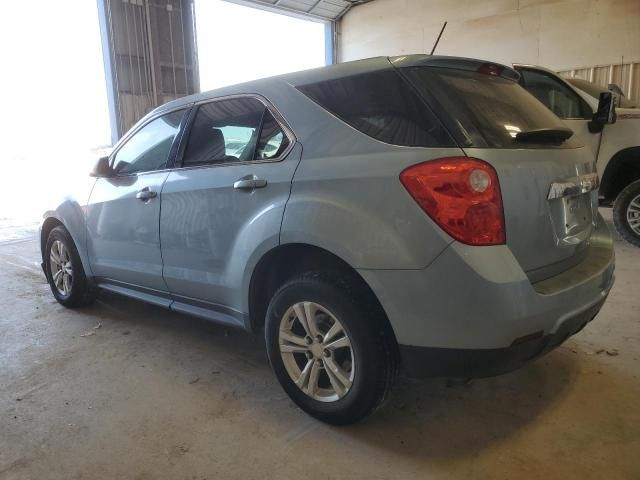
[127,390]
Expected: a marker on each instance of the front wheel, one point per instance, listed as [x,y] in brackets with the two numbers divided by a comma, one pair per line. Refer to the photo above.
[626,213]
[328,348]
[64,271]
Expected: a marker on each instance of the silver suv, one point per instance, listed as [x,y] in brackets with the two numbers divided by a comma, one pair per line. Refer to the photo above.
[422,212]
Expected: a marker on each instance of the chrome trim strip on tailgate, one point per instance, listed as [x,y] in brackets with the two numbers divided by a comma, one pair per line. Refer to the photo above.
[574,186]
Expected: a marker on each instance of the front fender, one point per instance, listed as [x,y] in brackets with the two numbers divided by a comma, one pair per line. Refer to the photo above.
[69,211]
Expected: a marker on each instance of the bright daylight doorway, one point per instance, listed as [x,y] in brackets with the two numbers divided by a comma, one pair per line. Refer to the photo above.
[238,43]
[60,68]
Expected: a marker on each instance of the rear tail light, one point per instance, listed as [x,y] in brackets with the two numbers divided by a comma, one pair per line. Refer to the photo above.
[462,195]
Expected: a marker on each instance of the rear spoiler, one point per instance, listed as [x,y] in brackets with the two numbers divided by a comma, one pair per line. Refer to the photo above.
[457,63]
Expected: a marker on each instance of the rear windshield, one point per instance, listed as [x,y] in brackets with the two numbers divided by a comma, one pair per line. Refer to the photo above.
[382,105]
[485,110]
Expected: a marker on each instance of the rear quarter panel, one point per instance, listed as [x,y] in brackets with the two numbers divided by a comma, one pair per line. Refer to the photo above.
[347,197]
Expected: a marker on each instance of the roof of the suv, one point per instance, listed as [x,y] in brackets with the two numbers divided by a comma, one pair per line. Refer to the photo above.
[339,70]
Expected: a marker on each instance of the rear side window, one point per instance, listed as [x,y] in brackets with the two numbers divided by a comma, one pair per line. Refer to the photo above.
[381,105]
[487,110]
[272,140]
[234,130]
[224,132]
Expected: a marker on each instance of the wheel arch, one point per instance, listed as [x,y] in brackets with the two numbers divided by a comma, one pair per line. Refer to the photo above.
[622,169]
[48,224]
[288,260]
[74,228]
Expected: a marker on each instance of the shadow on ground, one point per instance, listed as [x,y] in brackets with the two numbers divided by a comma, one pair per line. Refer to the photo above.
[433,419]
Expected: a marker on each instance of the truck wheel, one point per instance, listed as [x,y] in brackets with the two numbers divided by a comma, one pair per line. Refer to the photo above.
[328,349]
[626,213]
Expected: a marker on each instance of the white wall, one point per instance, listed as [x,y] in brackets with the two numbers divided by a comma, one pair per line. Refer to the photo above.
[558,34]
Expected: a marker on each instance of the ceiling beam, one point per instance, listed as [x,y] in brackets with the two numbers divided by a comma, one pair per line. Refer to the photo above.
[301,9]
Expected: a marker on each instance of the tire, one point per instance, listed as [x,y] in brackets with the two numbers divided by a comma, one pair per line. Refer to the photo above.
[75,290]
[368,363]
[626,207]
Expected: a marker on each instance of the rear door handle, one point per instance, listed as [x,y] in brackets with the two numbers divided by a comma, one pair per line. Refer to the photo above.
[249,183]
[146,194]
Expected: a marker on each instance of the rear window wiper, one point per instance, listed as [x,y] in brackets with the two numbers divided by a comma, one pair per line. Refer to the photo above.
[544,135]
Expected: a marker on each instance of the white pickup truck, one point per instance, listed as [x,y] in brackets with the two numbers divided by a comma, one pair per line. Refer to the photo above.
[614,139]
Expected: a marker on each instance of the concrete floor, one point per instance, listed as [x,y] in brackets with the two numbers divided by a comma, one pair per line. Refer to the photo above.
[152,394]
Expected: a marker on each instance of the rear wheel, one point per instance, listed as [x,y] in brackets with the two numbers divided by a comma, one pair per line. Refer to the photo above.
[626,213]
[64,271]
[328,348]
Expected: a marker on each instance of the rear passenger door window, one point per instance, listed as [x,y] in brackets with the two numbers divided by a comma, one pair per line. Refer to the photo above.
[231,131]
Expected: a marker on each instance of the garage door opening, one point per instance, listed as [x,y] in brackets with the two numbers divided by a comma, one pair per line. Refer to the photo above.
[54,114]
[238,43]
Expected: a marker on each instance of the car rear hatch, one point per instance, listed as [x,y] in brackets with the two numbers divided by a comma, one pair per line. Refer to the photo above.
[546,176]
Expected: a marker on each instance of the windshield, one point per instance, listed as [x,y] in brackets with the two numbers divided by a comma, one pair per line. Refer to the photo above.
[594,91]
[488,110]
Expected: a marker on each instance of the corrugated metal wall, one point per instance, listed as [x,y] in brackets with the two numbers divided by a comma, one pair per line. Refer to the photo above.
[150,48]
[625,75]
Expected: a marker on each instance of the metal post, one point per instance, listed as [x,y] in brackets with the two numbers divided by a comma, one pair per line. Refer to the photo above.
[151,58]
[130,76]
[173,61]
[145,47]
[195,71]
[184,51]
[329,46]
[109,70]
[138,56]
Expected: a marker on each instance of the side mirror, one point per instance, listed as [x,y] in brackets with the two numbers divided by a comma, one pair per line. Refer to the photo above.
[606,112]
[102,168]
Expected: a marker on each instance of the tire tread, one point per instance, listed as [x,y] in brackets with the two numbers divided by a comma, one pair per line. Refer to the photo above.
[349,290]
[620,213]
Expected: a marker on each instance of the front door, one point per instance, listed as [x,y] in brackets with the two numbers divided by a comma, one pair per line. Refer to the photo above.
[225,205]
[123,213]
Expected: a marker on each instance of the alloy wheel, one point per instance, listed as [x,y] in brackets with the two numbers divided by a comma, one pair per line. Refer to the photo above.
[633,214]
[316,351]
[61,268]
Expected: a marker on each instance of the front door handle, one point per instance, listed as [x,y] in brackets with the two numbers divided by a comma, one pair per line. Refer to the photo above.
[249,183]
[146,194]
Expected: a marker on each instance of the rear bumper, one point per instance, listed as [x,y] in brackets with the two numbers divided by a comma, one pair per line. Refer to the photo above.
[474,312]
[476,363]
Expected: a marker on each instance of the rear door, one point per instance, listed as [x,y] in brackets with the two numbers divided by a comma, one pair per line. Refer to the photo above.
[547,183]
[224,206]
